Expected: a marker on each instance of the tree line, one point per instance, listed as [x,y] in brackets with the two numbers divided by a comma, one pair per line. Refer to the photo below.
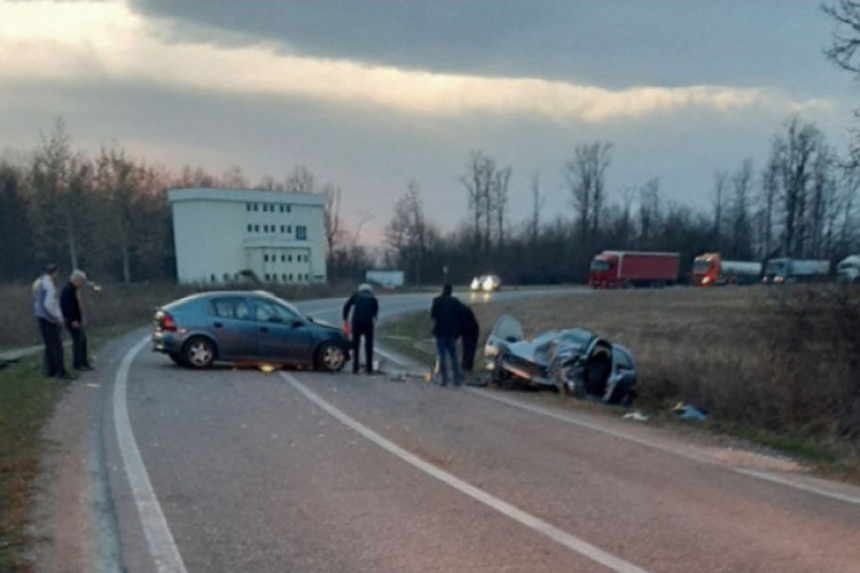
[110,215]
[801,203]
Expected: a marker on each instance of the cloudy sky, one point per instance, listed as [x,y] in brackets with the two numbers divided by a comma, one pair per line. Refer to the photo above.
[371,94]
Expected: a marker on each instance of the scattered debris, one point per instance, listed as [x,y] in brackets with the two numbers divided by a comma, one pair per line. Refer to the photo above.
[690,412]
[636,416]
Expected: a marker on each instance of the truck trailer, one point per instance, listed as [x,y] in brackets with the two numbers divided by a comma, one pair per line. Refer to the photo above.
[620,269]
[710,269]
[787,270]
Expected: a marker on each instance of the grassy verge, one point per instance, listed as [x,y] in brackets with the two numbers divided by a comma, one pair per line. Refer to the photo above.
[27,401]
[777,368]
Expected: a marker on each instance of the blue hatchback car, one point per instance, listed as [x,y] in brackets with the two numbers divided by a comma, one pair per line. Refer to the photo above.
[243,326]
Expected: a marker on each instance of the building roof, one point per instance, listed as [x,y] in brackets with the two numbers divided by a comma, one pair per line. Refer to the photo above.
[244,196]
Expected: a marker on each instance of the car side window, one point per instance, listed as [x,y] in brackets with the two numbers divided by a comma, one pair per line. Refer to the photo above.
[229,308]
[272,312]
[222,307]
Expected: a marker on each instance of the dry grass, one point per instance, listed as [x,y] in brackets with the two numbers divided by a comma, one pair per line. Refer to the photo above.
[778,360]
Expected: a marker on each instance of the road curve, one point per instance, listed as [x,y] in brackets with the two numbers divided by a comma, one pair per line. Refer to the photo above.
[303,471]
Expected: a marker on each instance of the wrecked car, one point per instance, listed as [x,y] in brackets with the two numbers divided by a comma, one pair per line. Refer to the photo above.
[574,361]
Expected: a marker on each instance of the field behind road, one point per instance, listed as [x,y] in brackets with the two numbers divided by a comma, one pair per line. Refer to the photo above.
[776,365]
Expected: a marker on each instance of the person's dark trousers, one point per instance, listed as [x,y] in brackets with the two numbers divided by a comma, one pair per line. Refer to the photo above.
[52,336]
[447,348]
[79,347]
[470,345]
[362,328]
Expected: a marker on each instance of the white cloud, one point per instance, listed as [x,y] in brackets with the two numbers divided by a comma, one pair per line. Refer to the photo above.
[106,42]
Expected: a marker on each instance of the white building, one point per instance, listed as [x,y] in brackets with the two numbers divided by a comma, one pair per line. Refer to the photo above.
[223,235]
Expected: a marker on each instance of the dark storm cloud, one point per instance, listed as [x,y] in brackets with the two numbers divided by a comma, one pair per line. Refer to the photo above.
[612,43]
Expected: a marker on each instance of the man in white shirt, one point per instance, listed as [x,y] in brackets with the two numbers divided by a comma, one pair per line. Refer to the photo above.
[46,308]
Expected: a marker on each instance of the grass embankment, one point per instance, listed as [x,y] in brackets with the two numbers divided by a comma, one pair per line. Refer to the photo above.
[780,367]
[26,402]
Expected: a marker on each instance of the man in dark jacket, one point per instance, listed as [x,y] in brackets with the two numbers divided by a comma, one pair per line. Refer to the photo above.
[365,309]
[70,303]
[445,313]
[469,330]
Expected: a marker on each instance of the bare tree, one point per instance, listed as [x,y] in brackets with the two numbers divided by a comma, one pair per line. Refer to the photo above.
[480,181]
[331,217]
[649,212]
[234,178]
[586,178]
[537,206]
[408,231]
[499,201]
[301,180]
[767,200]
[721,182]
[742,182]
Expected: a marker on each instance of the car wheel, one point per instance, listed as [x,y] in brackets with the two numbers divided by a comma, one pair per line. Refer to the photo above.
[199,352]
[177,358]
[330,357]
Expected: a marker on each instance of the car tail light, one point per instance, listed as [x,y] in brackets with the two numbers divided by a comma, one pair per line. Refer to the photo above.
[167,323]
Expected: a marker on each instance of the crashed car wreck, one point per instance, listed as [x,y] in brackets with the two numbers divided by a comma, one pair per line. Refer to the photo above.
[574,361]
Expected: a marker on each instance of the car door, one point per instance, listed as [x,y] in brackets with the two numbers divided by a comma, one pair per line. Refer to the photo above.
[282,334]
[231,325]
[507,331]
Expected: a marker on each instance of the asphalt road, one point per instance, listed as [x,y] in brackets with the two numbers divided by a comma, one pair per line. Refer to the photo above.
[238,470]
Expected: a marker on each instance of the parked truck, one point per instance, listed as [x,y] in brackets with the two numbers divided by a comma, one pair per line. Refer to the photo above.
[787,270]
[849,269]
[620,269]
[710,269]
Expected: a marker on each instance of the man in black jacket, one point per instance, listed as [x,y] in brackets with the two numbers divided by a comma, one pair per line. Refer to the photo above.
[70,303]
[469,330]
[445,312]
[365,309]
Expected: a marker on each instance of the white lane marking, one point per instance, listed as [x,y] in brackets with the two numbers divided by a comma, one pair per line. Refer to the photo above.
[162,547]
[700,458]
[536,524]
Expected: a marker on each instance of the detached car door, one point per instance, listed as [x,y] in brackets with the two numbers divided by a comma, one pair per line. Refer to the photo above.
[231,324]
[282,335]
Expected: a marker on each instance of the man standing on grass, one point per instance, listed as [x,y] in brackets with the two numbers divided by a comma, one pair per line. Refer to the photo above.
[70,304]
[46,308]
[445,313]
[365,309]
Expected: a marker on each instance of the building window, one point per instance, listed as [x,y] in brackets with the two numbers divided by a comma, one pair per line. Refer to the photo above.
[212,278]
[226,277]
[291,277]
[289,228]
[290,258]
[282,229]
[255,207]
[248,207]
[250,227]
[283,258]
[284,277]
[265,258]
[288,208]
[256,228]
[301,233]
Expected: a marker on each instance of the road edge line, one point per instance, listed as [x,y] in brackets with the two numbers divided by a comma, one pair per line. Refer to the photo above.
[159,539]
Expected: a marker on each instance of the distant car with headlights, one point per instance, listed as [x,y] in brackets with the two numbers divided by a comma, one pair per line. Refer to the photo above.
[486,283]
[243,326]
[574,361]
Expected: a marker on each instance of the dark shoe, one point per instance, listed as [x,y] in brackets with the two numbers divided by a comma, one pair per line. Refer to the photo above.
[84,368]
[443,383]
